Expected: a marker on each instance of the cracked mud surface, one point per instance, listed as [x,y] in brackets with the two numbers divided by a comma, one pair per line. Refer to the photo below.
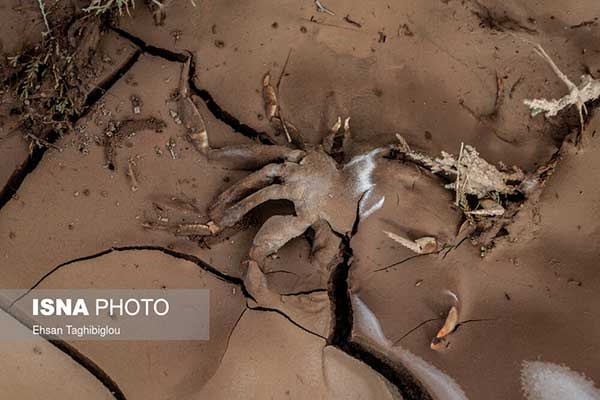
[67,220]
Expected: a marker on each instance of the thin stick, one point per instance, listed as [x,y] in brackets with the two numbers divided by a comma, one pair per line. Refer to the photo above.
[322,8]
[457,183]
[43,12]
[281,75]
[542,53]
[39,141]
[285,64]
[285,129]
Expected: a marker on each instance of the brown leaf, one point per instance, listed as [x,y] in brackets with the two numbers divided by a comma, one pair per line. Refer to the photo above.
[270,98]
[448,328]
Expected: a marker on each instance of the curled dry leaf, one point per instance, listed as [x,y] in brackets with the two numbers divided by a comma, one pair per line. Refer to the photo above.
[273,110]
[448,328]
[270,98]
[188,113]
[424,245]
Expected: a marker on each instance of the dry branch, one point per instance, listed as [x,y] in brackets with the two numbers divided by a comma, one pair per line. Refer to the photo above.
[588,90]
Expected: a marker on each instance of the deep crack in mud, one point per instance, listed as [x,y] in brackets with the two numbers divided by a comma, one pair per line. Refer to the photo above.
[80,358]
[176,254]
[341,305]
[342,322]
[37,154]
[217,111]
[338,285]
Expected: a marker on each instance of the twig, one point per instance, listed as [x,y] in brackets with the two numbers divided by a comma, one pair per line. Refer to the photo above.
[131,173]
[457,183]
[285,129]
[348,28]
[589,89]
[351,21]
[322,8]
[281,75]
[285,64]
[43,12]
[514,86]
[39,141]
[542,53]
[424,245]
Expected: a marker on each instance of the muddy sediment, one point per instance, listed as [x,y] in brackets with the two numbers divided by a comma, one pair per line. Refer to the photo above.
[75,205]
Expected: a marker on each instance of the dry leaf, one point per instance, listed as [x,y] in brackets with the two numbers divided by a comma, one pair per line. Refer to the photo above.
[188,113]
[270,98]
[448,328]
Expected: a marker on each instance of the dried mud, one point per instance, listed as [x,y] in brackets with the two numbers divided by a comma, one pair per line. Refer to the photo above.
[440,73]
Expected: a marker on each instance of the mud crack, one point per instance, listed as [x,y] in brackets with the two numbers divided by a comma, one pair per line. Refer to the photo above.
[342,321]
[217,111]
[73,353]
[13,185]
[35,157]
[182,256]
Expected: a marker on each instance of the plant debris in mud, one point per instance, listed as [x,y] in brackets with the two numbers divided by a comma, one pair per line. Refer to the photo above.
[108,6]
[578,96]
[46,82]
[449,326]
[424,245]
[118,131]
[470,176]
[488,196]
